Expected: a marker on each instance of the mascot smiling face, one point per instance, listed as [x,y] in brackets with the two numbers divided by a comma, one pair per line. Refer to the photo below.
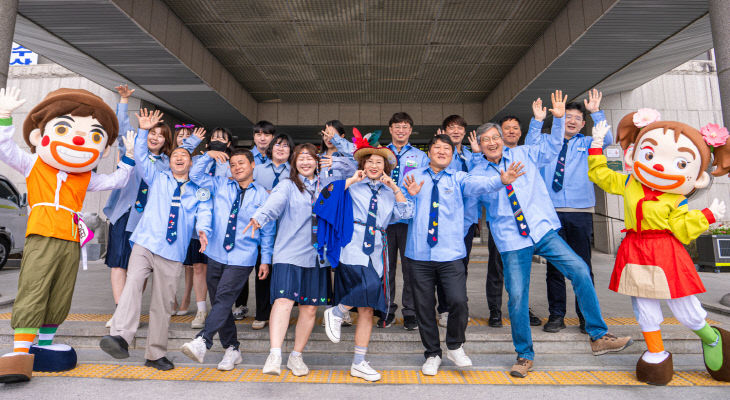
[71,130]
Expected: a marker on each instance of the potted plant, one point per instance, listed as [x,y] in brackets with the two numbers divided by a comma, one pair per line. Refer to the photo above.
[713,249]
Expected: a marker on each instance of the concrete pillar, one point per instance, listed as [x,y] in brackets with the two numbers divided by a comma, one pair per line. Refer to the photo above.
[8,12]
[719,16]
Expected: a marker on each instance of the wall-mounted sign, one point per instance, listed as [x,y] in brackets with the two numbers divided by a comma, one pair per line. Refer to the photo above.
[22,56]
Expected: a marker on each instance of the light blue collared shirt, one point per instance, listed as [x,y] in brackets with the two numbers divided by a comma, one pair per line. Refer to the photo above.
[224,192]
[577,191]
[152,228]
[388,211]
[264,174]
[453,186]
[293,210]
[258,157]
[529,189]
[471,204]
[342,167]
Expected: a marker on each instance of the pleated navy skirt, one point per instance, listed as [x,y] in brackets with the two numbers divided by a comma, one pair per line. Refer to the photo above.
[359,286]
[306,286]
[118,247]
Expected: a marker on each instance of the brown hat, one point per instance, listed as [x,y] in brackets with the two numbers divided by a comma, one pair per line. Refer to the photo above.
[384,152]
[78,102]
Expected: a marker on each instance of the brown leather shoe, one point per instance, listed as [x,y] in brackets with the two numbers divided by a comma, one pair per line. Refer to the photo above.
[609,343]
[521,367]
[655,374]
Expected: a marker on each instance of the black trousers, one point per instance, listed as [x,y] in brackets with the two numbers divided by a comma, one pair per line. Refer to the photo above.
[263,294]
[397,236]
[576,231]
[468,242]
[495,276]
[224,284]
[452,275]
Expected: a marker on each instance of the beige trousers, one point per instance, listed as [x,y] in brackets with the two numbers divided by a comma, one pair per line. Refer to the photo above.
[165,274]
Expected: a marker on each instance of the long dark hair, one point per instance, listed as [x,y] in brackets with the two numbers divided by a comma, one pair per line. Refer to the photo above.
[293,173]
[335,123]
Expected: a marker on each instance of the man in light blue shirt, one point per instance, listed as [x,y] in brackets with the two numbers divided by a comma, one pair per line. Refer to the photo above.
[409,158]
[231,256]
[573,196]
[435,246]
[263,132]
[160,244]
[523,226]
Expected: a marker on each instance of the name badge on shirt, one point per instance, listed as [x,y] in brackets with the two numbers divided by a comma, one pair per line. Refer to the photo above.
[581,149]
[409,165]
[202,194]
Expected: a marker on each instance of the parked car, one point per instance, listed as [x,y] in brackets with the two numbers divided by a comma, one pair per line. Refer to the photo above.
[13,220]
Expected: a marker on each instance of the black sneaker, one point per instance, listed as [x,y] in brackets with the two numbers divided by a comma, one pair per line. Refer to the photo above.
[495,318]
[534,320]
[410,323]
[115,346]
[163,364]
[554,324]
[386,322]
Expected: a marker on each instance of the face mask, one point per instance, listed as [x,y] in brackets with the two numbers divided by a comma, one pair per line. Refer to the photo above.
[217,146]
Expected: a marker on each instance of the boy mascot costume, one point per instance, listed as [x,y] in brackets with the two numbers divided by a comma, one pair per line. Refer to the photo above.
[68,133]
[669,161]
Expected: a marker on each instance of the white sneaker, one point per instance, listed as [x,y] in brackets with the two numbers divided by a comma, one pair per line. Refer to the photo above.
[364,371]
[347,320]
[444,319]
[459,357]
[199,320]
[332,325]
[195,349]
[239,312]
[431,366]
[256,324]
[296,365]
[272,366]
[230,359]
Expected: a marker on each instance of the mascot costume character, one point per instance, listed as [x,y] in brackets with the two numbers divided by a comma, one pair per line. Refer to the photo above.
[669,160]
[68,133]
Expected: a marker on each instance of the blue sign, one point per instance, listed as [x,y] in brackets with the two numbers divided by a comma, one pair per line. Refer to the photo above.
[22,56]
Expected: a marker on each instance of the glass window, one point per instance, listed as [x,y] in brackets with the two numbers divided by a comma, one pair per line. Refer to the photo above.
[8,193]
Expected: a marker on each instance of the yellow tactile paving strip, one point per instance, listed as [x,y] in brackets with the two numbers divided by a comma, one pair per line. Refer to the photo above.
[389,377]
[181,319]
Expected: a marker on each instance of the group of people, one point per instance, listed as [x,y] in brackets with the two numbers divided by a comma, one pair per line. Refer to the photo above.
[324,227]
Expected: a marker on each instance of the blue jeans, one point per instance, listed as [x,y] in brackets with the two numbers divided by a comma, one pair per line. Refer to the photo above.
[517,266]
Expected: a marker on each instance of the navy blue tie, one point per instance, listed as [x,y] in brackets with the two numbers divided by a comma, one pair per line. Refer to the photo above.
[433,215]
[212,169]
[560,168]
[141,201]
[174,209]
[369,244]
[396,171]
[276,176]
[230,240]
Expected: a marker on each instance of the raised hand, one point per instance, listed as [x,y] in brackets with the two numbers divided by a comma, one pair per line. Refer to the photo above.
[599,134]
[325,162]
[203,240]
[538,110]
[218,156]
[594,101]
[474,143]
[124,92]
[718,209]
[128,141]
[147,120]
[254,225]
[514,171]
[388,181]
[9,101]
[558,101]
[410,183]
[358,176]
[439,131]
[328,133]
[263,271]
[199,132]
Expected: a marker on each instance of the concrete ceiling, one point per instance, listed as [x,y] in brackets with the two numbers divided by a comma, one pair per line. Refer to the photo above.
[367,51]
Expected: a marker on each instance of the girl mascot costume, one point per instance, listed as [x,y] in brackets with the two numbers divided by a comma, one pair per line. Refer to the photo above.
[68,133]
[668,161]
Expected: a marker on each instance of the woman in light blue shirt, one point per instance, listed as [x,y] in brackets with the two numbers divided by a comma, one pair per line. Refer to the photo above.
[333,163]
[297,273]
[376,202]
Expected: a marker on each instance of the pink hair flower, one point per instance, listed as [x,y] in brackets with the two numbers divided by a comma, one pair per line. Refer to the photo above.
[714,134]
[646,116]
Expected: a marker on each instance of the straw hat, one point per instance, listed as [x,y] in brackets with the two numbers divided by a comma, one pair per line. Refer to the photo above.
[365,146]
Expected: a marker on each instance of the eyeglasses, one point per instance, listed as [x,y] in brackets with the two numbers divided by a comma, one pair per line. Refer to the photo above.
[401,127]
[487,139]
[282,145]
[576,118]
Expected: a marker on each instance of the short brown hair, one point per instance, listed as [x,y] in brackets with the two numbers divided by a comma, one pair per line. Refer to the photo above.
[386,169]
[293,173]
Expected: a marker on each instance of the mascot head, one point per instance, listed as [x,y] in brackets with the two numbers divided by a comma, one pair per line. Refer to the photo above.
[71,130]
[671,156]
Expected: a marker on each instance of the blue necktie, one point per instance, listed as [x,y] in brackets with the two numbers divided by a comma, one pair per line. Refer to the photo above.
[433,215]
[276,176]
[141,201]
[396,171]
[174,208]
[368,244]
[230,240]
[212,169]
[517,211]
[463,162]
[560,168]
